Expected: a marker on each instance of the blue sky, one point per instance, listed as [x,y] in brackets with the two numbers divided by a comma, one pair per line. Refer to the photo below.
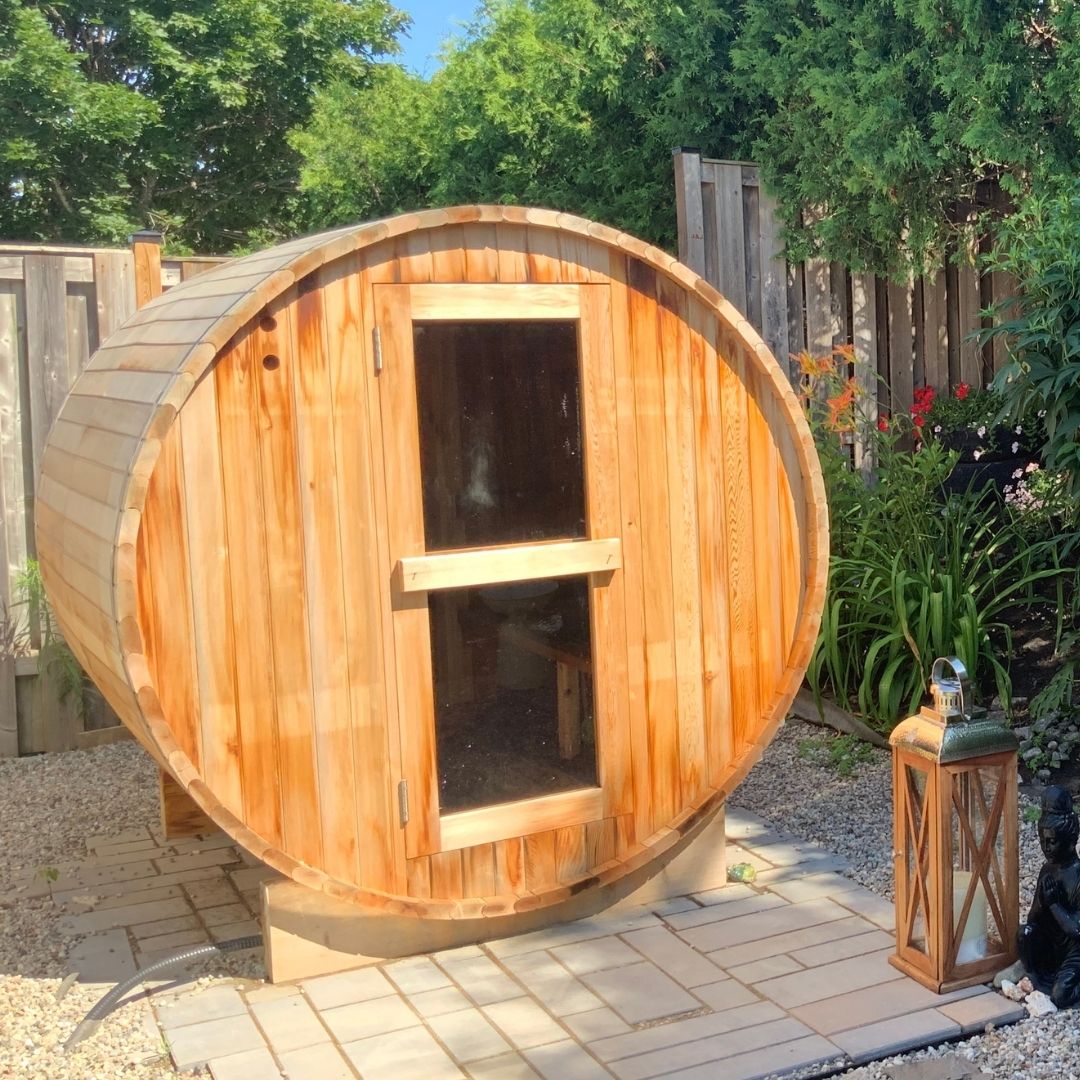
[432,21]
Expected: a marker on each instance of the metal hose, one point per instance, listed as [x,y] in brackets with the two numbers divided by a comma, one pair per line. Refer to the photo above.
[92,1021]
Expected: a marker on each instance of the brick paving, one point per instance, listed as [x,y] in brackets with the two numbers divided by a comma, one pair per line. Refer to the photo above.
[746,981]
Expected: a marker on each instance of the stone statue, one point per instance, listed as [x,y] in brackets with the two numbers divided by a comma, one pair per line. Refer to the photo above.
[1049,942]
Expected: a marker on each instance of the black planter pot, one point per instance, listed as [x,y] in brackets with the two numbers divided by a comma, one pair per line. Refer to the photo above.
[996,444]
[977,475]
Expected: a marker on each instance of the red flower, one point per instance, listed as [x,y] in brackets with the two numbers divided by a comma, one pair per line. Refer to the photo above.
[962,390]
[883,422]
[919,420]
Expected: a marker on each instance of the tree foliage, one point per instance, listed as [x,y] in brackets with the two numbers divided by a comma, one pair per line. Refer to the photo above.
[116,115]
[893,126]
[889,129]
[571,104]
[1041,325]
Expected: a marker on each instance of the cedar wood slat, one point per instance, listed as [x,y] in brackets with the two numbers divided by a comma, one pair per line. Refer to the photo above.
[608,599]
[661,693]
[712,544]
[321,512]
[276,418]
[681,457]
[211,594]
[503,245]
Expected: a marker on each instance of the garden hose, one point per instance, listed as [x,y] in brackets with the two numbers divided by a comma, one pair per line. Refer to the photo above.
[92,1021]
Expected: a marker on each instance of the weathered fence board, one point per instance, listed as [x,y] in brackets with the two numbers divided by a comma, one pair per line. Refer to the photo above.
[918,331]
[57,304]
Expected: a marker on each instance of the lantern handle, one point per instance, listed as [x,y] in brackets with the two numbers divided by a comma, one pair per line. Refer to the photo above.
[959,670]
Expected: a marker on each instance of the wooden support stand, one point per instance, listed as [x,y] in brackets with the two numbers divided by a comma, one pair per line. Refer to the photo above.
[308,933]
[179,814]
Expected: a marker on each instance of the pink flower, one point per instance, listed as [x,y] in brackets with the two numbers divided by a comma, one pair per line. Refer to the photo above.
[978,454]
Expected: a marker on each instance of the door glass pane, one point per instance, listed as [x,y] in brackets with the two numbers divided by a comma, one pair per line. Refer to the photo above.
[512,671]
[500,432]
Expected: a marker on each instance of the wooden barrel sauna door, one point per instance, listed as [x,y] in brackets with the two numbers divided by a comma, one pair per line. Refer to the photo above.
[501,557]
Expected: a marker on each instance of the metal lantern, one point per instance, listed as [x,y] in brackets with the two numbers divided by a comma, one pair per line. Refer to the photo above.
[956,839]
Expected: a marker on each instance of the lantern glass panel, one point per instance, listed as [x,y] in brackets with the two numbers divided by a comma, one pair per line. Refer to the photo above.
[917,856]
[978,861]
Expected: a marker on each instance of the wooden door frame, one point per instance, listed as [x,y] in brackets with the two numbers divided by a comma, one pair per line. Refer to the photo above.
[411,571]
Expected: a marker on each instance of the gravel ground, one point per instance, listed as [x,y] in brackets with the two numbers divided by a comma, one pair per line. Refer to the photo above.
[49,804]
[794,788]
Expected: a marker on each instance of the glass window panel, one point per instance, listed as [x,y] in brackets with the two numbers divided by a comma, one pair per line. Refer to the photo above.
[976,790]
[500,432]
[513,691]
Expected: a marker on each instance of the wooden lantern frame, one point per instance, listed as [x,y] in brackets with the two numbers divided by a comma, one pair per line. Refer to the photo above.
[950,752]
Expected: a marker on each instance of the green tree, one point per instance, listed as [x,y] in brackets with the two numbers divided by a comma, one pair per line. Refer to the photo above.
[116,115]
[571,104]
[892,128]
[367,151]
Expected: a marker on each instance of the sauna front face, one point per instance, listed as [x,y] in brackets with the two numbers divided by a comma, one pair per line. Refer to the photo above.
[450,563]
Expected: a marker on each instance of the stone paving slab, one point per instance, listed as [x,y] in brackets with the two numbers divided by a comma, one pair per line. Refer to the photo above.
[641,992]
[741,982]
[973,1014]
[894,1036]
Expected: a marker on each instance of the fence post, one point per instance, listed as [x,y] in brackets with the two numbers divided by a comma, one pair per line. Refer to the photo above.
[146,248]
[689,207]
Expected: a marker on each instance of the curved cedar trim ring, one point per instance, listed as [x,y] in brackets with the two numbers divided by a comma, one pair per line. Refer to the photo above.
[724,583]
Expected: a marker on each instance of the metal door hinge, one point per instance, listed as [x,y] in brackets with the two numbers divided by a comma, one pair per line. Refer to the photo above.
[403,802]
[376,346]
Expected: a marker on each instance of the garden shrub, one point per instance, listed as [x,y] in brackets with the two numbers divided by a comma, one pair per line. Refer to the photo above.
[916,572]
[1041,323]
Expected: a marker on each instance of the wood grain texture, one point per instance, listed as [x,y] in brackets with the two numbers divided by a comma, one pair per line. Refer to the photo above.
[661,694]
[682,452]
[321,513]
[211,595]
[712,481]
[241,465]
[165,606]
[741,581]
[686,417]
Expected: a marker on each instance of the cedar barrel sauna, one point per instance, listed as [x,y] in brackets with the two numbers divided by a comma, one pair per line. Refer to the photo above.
[452,564]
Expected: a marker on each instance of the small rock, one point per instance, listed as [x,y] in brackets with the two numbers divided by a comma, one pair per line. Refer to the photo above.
[1026,985]
[1012,991]
[1013,973]
[1038,1004]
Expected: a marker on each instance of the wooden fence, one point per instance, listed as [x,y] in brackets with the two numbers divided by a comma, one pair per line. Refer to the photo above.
[910,333]
[56,305]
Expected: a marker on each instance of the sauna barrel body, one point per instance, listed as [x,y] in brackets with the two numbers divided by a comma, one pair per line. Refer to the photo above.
[452,564]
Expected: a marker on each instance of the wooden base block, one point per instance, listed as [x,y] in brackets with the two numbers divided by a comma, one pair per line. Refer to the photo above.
[983,973]
[308,933]
[179,814]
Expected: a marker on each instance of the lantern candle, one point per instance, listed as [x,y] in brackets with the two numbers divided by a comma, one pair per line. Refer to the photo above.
[973,939]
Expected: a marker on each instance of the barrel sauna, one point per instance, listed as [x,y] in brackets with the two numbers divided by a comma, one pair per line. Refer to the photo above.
[451,563]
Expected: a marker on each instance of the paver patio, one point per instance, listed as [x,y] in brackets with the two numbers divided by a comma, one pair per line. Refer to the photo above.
[739,982]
